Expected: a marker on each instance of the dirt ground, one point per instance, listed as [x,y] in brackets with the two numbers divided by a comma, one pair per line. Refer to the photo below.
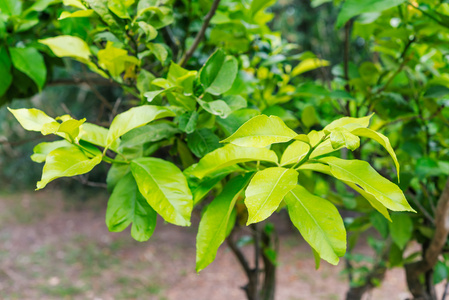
[53,246]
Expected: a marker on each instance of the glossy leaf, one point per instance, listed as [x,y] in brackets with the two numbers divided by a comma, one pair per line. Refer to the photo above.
[319,222]
[260,132]
[165,188]
[266,191]
[216,107]
[68,46]
[219,73]
[349,123]
[230,155]
[133,118]
[41,150]
[66,162]
[214,221]
[148,133]
[127,205]
[381,139]
[202,141]
[31,119]
[294,153]
[362,174]
[30,62]
[96,135]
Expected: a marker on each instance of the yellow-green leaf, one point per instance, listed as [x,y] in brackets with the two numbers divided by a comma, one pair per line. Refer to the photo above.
[165,188]
[31,119]
[381,139]
[309,64]
[230,155]
[133,118]
[349,123]
[362,174]
[266,191]
[319,223]
[260,132]
[67,162]
[68,46]
[294,153]
[341,137]
[214,221]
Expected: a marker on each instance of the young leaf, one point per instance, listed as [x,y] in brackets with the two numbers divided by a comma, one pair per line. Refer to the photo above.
[67,162]
[260,132]
[309,64]
[127,205]
[219,72]
[30,62]
[401,229]
[31,119]
[230,155]
[266,191]
[348,123]
[341,137]
[319,223]
[214,221]
[133,118]
[68,46]
[294,153]
[118,8]
[381,139]
[96,135]
[165,188]
[41,150]
[216,107]
[362,174]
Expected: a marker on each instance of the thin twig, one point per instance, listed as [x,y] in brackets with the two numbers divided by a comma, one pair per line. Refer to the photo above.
[422,209]
[200,34]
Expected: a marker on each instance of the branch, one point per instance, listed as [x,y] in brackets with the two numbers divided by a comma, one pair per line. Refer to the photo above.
[200,34]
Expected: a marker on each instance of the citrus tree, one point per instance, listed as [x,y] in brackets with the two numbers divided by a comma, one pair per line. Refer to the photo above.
[213,118]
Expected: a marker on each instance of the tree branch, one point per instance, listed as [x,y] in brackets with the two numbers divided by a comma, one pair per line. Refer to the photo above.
[185,58]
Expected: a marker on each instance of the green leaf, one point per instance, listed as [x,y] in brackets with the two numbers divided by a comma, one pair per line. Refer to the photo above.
[266,191]
[218,73]
[362,174]
[133,118]
[149,30]
[379,223]
[214,221]
[341,137]
[165,188]
[159,51]
[127,205]
[309,64]
[67,162]
[381,139]
[217,107]
[349,123]
[401,229]
[115,173]
[319,223]
[178,76]
[440,272]
[370,198]
[202,142]
[5,75]
[96,135]
[76,14]
[187,122]
[31,119]
[260,132]
[11,7]
[230,155]
[352,8]
[30,62]
[294,153]
[235,102]
[309,117]
[148,133]
[68,46]
[41,150]
[118,8]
